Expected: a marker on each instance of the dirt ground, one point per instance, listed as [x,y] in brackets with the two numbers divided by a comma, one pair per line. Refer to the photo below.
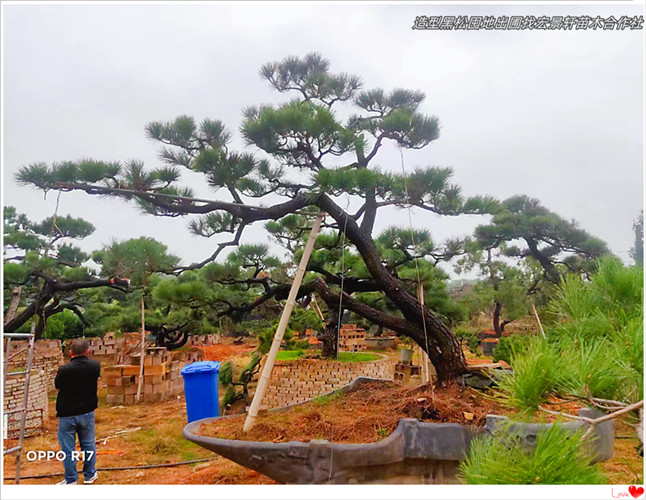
[150,433]
[142,434]
[153,435]
[226,352]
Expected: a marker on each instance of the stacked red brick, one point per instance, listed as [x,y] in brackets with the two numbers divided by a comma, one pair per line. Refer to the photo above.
[352,339]
[105,349]
[110,349]
[37,406]
[311,337]
[47,358]
[201,340]
[162,377]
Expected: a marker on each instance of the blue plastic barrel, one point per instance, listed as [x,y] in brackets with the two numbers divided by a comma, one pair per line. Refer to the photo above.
[201,389]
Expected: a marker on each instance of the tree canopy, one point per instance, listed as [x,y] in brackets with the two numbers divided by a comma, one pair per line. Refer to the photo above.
[45,273]
[302,157]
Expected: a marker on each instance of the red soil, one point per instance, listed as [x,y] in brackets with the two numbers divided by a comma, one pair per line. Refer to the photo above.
[224,352]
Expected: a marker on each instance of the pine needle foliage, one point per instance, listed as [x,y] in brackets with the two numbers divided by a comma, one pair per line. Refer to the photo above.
[558,458]
[594,350]
[539,370]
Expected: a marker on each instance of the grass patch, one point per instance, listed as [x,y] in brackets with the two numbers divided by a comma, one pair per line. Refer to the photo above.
[290,355]
[356,357]
[327,398]
[187,456]
[344,357]
[165,442]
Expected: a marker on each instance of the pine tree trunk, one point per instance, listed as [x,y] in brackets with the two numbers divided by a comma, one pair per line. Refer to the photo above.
[496,319]
[436,339]
[330,333]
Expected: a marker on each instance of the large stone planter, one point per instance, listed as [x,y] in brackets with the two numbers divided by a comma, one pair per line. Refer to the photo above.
[416,452]
[379,343]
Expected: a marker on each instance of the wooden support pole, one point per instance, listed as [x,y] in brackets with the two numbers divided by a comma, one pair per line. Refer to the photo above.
[143,349]
[318,309]
[265,376]
[424,361]
[538,319]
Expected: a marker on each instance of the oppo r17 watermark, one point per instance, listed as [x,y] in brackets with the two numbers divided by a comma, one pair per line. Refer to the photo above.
[77,456]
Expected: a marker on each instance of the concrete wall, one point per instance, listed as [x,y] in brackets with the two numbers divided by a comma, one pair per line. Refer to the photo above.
[296,381]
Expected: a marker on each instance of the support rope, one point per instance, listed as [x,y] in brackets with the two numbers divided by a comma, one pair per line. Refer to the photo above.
[339,316]
[412,237]
[338,326]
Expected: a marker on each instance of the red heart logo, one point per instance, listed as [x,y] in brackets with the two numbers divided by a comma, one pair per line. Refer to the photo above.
[636,492]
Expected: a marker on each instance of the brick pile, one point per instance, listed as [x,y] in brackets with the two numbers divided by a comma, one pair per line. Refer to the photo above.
[114,350]
[311,337]
[106,349]
[201,340]
[302,379]
[162,377]
[37,405]
[352,339]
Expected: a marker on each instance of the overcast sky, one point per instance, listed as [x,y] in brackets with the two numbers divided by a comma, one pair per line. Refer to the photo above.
[554,115]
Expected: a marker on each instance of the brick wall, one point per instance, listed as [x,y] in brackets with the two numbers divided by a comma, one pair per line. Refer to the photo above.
[37,406]
[162,378]
[296,381]
[48,356]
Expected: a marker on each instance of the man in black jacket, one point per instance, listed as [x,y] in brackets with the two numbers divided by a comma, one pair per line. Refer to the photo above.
[77,383]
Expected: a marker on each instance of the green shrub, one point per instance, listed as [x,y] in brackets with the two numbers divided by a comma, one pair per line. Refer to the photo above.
[226,379]
[594,350]
[266,337]
[63,325]
[538,371]
[557,459]
[594,371]
[506,345]
[471,339]
[603,305]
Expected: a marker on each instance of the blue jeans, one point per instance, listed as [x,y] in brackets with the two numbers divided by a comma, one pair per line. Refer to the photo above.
[68,428]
